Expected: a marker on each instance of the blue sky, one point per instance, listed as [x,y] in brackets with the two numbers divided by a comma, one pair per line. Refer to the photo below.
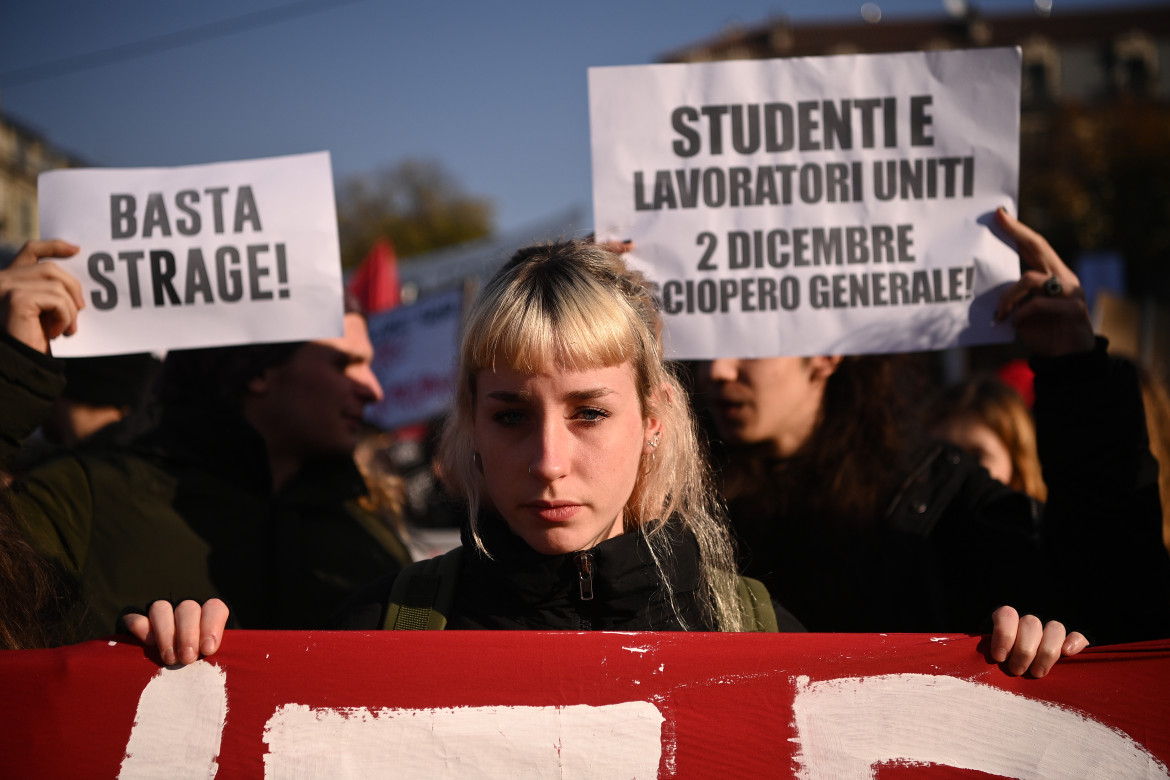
[494,91]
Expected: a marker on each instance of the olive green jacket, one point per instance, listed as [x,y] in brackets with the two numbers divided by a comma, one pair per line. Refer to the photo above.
[187,511]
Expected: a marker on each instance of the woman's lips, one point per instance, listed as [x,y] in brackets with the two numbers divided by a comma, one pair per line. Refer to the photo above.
[731,410]
[553,511]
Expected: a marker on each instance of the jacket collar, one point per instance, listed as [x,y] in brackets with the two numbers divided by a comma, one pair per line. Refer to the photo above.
[626,581]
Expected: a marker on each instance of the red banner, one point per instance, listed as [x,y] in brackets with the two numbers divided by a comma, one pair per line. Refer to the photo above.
[520,704]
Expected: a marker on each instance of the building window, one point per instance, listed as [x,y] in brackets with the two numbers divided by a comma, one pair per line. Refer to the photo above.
[1135,64]
[1040,82]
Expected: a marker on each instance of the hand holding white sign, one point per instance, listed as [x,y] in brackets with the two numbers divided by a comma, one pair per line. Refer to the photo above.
[39,301]
[1047,305]
[199,256]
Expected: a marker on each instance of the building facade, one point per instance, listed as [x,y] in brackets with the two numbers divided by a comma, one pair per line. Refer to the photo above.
[24,154]
[1089,56]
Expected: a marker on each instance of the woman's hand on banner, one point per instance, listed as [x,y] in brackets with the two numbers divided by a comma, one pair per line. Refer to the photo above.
[39,301]
[1047,305]
[181,633]
[1024,644]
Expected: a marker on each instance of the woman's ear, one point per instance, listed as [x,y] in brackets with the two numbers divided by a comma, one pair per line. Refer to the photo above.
[653,434]
[664,397]
[823,366]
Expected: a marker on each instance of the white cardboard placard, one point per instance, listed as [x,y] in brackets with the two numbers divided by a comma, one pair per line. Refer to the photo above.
[200,255]
[814,205]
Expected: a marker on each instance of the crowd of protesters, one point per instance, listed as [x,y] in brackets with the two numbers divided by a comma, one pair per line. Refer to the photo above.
[588,497]
[242,488]
[857,519]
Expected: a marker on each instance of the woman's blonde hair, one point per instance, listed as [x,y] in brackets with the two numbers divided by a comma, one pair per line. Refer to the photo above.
[1004,412]
[575,306]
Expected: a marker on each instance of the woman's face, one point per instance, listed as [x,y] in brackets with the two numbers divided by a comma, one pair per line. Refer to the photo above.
[561,452]
[969,433]
[775,400]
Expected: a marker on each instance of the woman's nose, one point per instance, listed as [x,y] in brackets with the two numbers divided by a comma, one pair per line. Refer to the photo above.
[550,461]
[720,370]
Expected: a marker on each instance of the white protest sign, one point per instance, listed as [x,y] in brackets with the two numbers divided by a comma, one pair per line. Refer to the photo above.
[415,351]
[813,205]
[198,256]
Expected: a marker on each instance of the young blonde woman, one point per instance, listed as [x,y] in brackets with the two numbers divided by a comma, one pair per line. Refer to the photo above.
[589,500]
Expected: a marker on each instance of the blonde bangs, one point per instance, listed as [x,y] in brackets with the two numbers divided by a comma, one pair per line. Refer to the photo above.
[568,327]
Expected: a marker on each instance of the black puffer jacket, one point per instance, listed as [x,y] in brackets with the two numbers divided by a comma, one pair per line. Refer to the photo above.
[519,588]
[954,544]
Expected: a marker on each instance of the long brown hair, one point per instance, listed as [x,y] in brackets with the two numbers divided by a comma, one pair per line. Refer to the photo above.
[32,599]
[852,464]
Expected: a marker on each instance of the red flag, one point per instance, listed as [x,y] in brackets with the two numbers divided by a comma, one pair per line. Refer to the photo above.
[375,283]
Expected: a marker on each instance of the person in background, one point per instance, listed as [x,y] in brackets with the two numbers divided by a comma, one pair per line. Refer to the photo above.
[104,404]
[245,490]
[385,488]
[1157,404]
[989,420]
[99,392]
[858,521]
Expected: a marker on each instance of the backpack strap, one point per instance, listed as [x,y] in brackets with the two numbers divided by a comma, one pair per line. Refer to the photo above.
[423,592]
[756,602]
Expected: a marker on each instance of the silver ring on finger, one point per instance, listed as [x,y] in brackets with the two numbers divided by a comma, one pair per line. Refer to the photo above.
[1052,287]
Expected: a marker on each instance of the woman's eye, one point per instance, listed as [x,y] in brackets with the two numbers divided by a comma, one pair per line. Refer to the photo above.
[592,415]
[508,417]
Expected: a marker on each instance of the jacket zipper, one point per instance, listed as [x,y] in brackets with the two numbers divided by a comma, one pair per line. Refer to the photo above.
[585,568]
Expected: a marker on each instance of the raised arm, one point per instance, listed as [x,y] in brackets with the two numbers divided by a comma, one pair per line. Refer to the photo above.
[1102,523]
[38,302]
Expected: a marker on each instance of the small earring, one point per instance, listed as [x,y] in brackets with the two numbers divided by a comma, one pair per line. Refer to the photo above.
[478,463]
[655,440]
